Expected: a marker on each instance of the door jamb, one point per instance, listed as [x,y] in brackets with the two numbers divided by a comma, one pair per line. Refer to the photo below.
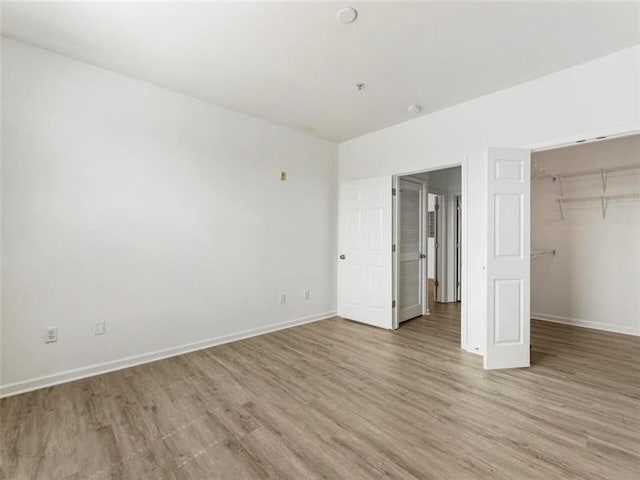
[464,317]
[451,246]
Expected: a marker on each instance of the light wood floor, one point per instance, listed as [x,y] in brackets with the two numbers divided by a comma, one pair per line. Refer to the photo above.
[337,400]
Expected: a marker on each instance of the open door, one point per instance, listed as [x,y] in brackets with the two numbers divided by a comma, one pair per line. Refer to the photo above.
[411,246]
[365,257]
[508,258]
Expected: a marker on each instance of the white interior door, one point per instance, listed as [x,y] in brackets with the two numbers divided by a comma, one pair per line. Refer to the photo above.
[365,257]
[411,247]
[508,258]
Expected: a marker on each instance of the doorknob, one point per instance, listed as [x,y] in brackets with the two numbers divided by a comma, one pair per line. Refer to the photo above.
[342,257]
[422,255]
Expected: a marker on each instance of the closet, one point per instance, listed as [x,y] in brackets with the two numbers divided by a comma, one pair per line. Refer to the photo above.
[585,235]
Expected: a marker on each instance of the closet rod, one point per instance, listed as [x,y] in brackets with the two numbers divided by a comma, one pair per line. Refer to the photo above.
[600,197]
[604,201]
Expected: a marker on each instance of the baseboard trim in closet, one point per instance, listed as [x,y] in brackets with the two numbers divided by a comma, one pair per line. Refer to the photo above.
[607,327]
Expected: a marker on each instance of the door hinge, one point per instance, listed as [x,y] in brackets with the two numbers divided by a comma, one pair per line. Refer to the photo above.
[393,304]
[393,248]
[436,283]
[436,206]
[393,192]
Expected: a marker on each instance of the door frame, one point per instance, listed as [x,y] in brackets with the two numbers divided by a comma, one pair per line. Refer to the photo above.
[450,248]
[464,318]
[457,246]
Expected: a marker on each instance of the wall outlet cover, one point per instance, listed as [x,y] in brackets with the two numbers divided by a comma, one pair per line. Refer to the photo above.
[50,335]
[99,328]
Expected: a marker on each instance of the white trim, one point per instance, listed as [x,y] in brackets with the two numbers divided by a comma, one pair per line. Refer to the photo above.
[424,248]
[588,138]
[450,252]
[607,327]
[464,324]
[113,365]
[478,351]
[395,225]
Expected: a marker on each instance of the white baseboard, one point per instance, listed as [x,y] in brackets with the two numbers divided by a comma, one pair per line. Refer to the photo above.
[100,368]
[475,351]
[607,327]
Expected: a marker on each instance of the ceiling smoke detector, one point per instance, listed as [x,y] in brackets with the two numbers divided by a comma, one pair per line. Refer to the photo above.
[414,109]
[347,15]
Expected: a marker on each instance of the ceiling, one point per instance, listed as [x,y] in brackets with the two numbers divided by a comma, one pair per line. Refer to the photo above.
[294,64]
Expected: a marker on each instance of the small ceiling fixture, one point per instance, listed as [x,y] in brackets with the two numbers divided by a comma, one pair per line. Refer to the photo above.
[347,15]
[414,109]
[360,86]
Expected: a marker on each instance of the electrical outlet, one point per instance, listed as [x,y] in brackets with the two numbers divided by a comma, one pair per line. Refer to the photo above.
[283,299]
[307,294]
[50,335]
[99,328]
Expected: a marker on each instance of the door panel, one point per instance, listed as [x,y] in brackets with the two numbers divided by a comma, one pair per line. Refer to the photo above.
[508,262]
[364,274]
[411,245]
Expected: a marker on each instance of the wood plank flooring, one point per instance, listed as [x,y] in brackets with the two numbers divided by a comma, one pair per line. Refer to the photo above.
[339,400]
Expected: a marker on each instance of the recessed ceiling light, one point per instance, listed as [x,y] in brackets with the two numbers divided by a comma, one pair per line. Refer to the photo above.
[414,109]
[347,15]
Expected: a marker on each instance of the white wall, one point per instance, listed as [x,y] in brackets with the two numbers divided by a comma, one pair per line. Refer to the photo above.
[447,181]
[595,98]
[594,278]
[158,213]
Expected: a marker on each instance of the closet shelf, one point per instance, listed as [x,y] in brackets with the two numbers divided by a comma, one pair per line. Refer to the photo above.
[604,200]
[599,171]
[602,172]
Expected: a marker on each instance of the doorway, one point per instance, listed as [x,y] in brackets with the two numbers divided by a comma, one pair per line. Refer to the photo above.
[428,243]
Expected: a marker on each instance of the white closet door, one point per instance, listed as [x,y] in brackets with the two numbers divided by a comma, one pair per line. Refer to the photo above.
[508,258]
[365,257]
